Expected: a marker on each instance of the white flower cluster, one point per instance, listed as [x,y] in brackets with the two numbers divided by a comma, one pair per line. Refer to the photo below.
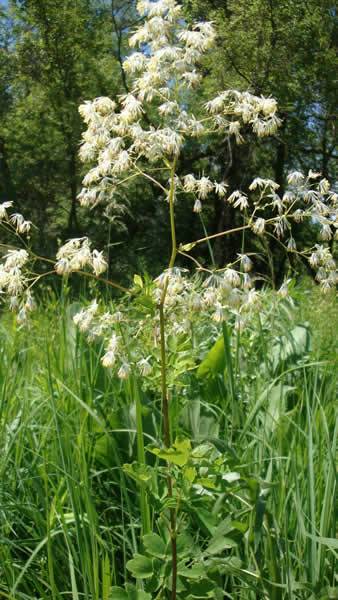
[309,197]
[13,282]
[321,259]
[228,291]
[125,140]
[225,291]
[189,302]
[13,269]
[107,326]
[233,109]
[76,254]
[17,221]
[12,278]
[201,188]
[84,320]
[119,137]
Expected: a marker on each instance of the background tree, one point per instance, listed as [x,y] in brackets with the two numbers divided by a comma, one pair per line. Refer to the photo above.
[288,50]
[57,53]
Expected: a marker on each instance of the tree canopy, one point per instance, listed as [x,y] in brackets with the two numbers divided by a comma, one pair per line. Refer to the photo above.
[56,54]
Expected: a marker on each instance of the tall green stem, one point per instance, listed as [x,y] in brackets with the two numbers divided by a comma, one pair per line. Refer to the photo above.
[165,401]
[230,371]
[144,505]
[208,241]
[134,393]
[172,216]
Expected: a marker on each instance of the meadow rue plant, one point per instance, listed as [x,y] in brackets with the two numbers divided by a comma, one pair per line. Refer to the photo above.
[123,142]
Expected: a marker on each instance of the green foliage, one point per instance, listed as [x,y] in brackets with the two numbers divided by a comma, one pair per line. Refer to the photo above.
[254,504]
[214,362]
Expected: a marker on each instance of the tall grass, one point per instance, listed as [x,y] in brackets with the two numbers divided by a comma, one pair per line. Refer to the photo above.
[70,515]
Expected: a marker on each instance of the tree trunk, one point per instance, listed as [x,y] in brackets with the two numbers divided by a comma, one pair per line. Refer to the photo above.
[73,226]
[7,190]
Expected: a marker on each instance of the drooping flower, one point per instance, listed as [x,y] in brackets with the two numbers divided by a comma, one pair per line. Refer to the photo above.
[99,263]
[144,367]
[124,371]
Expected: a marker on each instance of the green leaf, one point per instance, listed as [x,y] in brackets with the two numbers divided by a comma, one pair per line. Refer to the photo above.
[242,527]
[117,593]
[189,474]
[140,473]
[206,482]
[277,406]
[154,545]
[194,572]
[231,477]
[185,544]
[290,346]
[182,444]
[221,565]
[106,578]
[187,247]
[140,566]
[202,451]
[146,301]
[138,281]
[214,362]
[134,594]
[220,543]
[325,541]
[207,519]
[202,588]
[176,457]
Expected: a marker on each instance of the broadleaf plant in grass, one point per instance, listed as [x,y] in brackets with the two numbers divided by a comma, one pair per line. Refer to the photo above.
[145,135]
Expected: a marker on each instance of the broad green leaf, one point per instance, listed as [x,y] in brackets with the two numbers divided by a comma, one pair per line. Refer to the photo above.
[201,451]
[221,565]
[276,406]
[182,444]
[185,544]
[202,588]
[194,572]
[223,527]
[207,519]
[207,482]
[180,587]
[146,301]
[295,344]
[214,362]
[220,543]
[154,545]
[176,457]
[189,474]
[140,566]
[242,527]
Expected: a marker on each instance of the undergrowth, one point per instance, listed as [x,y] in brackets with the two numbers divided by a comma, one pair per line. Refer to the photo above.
[256,516]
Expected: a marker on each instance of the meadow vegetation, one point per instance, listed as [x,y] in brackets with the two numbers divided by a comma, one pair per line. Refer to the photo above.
[255,501]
